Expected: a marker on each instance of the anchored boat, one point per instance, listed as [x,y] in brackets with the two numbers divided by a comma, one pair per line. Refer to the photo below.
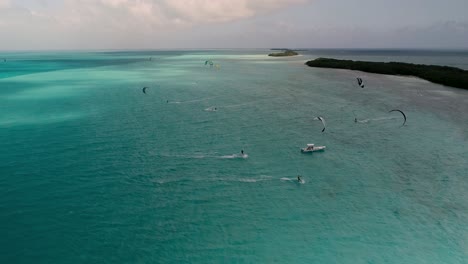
[312,148]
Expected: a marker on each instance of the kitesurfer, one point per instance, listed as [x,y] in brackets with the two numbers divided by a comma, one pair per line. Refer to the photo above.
[323,122]
[299,178]
[360,82]
[404,116]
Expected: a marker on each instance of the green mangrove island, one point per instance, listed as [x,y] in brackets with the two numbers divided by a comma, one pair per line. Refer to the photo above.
[449,76]
[285,53]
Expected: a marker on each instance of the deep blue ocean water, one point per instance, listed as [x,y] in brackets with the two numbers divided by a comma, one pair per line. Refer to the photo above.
[92,170]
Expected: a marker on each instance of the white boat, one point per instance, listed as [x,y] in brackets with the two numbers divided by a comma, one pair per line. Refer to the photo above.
[312,148]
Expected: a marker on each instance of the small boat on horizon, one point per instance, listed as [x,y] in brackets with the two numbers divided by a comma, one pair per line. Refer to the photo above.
[312,148]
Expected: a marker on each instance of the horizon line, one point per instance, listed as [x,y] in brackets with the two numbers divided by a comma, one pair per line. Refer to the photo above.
[253,48]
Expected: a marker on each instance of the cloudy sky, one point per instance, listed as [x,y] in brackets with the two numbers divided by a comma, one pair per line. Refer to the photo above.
[168,24]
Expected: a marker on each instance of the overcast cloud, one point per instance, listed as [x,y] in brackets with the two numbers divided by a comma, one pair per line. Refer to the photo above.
[156,24]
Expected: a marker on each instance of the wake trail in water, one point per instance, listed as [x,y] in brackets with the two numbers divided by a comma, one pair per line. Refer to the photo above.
[239,180]
[363,121]
[191,101]
[261,178]
[211,109]
[253,180]
[249,103]
[235,156]
[206,156]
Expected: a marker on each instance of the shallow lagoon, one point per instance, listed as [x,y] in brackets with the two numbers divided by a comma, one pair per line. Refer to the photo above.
[93,170]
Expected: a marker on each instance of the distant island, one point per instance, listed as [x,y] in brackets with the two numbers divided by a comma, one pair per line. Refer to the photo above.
[285,53]
[288,49]
[449,76]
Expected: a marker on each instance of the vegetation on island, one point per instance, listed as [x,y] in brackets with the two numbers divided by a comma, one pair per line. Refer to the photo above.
[288,49]
[285,53]
[449,76]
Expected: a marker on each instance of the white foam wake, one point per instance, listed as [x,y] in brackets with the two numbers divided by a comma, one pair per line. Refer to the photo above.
[235,156]
[211,109]
[363,121]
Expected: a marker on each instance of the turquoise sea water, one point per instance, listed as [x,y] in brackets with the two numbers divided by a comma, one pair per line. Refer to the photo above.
[92,170]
